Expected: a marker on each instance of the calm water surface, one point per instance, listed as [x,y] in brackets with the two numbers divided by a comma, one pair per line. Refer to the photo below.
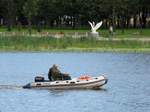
[128,89]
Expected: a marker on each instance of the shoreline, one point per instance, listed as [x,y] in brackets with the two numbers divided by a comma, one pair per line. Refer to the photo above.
[114,50]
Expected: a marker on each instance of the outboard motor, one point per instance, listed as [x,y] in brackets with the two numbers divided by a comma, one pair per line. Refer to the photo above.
[39,79]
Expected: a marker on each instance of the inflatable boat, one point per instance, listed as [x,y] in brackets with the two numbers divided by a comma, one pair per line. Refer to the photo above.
[83,82]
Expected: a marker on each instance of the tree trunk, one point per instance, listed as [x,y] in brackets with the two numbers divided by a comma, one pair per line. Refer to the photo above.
[29,26]
[9,26]
[122,23]
[10,12]
[113,19]
[140,26]
[73,22]
[52,23]
[144,16]
[135,21]
[128,22]
[118,22]
[39,26]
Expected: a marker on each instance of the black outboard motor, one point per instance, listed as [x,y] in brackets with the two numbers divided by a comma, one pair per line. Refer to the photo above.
[39,79]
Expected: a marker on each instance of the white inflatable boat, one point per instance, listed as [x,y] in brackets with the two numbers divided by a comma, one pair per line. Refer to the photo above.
[83,82]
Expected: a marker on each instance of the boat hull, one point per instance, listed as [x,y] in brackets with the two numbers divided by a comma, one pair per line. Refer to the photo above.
[96,82]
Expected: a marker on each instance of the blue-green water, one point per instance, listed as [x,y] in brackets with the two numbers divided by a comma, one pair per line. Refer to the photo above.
[128,88]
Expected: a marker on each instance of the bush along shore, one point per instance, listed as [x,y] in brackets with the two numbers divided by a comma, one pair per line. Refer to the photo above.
[46,44]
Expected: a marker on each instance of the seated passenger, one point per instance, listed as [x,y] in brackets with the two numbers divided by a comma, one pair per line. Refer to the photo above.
[55,74]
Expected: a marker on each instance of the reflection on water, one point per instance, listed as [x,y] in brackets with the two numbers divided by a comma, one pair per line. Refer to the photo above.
[62,92]
[127,90]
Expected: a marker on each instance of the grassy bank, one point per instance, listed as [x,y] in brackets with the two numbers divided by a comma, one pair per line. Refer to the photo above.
[128,33]
[28,43]
[20,40]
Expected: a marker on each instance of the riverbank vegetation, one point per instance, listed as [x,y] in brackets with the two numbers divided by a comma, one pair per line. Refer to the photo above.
[119,33]
[28,43]
[50,25]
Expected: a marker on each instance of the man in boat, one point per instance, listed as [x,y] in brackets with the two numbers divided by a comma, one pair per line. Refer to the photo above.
[55,74]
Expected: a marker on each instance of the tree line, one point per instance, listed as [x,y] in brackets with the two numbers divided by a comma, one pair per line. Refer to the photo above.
[74,13]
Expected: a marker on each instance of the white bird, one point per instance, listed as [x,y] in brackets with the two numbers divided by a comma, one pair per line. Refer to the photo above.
[95,27]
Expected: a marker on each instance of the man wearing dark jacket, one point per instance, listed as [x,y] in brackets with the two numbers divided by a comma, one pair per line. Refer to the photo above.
[54,73]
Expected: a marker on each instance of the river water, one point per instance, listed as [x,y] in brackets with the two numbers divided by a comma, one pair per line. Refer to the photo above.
[128,88]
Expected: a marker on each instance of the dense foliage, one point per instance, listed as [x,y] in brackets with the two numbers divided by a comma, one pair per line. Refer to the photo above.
[74,13]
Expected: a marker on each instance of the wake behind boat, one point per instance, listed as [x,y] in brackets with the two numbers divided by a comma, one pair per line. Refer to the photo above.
[83,82]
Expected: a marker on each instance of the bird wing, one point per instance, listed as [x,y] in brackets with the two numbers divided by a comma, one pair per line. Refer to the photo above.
[98,25]
[91,24]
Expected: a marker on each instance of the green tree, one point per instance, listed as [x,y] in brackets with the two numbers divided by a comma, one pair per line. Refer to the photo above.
[9,12]
[48,11]
[30,10]
[144,9]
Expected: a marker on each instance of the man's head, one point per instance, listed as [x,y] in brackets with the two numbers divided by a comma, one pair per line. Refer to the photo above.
[55,66]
